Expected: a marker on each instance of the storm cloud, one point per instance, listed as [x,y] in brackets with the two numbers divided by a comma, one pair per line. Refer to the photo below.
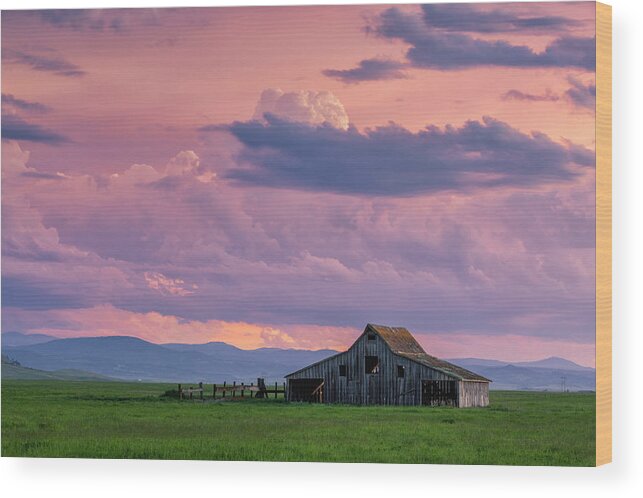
[440,38]
[393,161]
[431,48]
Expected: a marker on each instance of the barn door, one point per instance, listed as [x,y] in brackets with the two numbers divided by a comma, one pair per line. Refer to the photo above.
[311,390]
[439,393]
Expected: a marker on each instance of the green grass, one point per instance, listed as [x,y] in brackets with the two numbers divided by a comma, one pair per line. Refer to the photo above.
[130,420]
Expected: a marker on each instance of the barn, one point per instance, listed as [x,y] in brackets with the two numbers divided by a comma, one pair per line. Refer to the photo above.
[387,366]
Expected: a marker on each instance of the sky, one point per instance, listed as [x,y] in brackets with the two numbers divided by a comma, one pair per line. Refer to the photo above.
[281,176]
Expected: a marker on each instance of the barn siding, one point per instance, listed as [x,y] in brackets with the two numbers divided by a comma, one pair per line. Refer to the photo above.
[384,388]
[471,393]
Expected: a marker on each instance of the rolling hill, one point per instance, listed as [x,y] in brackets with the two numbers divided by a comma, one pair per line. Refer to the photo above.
[130,358]
[18,339]
[135,359]
[13,370]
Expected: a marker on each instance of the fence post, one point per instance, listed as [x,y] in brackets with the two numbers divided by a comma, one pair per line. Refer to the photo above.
[224,388]
[285,397]
[242,388]
[275,389]
[214,391]
[201,387]
[234,388]
[180,392]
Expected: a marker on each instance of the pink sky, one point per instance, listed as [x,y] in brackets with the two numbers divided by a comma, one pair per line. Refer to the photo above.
[146,191]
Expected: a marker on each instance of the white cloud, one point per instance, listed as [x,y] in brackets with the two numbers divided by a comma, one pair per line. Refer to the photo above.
[307,106]
[166,285]
[185,162]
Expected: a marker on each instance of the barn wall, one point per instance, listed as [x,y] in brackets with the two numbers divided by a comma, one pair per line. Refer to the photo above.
[473,394]
[383,388]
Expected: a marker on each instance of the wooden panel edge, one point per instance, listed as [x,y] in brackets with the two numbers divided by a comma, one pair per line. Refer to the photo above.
[603,233]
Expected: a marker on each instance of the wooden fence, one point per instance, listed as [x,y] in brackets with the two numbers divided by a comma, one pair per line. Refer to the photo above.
[259,390]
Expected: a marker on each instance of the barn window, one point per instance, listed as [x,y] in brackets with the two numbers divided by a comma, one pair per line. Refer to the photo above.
[372,365]
[342,370]
[371,337]
[400,371]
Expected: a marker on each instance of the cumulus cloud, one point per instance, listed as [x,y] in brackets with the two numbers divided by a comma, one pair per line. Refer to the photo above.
[393,161]
[44,266]
[304,106]
[502,260]
[369,70]
[168,286]
[40,270]
[45,63]
[183,168]
[188,164]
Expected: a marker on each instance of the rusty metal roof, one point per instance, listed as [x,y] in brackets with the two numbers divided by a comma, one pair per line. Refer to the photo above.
[402,343]
[398,339]
[444,366]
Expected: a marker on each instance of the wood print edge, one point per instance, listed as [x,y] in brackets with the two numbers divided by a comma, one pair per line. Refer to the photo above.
[603,233]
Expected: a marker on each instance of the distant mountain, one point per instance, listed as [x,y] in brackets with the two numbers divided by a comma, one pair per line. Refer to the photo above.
[477,362]
[131,358]
[554,362]
[550,374]
[294,357]
[11,369]
[20,339]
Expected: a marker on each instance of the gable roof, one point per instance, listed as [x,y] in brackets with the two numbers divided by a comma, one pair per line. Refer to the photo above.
[402,343]
[398,339]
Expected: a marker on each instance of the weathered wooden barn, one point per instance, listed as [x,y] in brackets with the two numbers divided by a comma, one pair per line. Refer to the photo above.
[387,366]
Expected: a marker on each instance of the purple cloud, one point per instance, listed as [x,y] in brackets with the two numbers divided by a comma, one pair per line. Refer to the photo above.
[16,128]
[548,96]
[472,19]
[435,49]
[23,105]
[503,260]
[392,161]
[580,94]
[58,65]
[369,70]
[440,39]
[81,19]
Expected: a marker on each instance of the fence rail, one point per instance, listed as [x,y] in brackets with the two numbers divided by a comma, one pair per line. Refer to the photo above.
[259,390]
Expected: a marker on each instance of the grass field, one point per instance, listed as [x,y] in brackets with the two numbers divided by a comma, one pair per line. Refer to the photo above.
[130,420]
